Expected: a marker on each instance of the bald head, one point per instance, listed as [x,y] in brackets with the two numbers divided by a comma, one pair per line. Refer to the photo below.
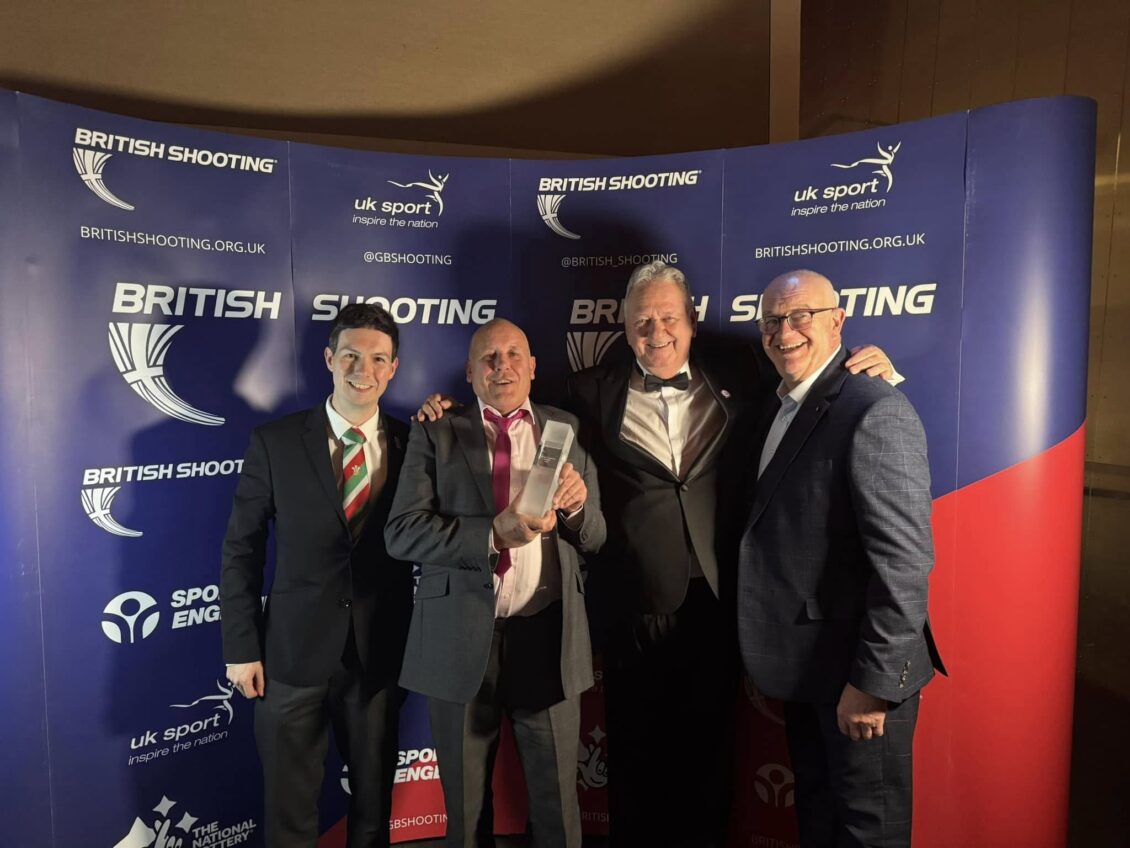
[799,345]
[500,367]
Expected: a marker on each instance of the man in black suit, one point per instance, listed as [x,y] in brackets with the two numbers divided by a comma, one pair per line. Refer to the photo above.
[499,623]
[326,649]
[659,427]
[832,578]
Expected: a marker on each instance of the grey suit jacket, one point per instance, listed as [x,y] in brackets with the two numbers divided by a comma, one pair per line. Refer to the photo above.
[833,563]
[441,518]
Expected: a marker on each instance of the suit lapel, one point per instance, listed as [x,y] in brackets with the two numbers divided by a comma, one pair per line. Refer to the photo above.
[815,406]
[316,442]
[472,441]
[719,437]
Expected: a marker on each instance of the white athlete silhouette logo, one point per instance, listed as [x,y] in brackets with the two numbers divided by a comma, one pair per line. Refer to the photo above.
[435,186]
[884,160]
[224,699]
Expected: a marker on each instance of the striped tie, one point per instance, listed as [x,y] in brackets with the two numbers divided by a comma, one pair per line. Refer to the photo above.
[355,478]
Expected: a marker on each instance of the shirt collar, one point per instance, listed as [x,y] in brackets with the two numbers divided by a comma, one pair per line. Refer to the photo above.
[339,425]
[798,394]
[526,406]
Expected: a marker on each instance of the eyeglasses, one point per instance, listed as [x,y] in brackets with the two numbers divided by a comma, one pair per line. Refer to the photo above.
[798,320]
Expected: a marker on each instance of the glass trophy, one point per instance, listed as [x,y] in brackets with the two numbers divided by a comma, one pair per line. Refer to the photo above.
[537,495]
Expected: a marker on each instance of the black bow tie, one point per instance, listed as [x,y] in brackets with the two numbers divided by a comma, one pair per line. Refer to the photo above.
[680,381]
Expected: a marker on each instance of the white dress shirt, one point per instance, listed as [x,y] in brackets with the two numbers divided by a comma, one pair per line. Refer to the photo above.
[673,426]
[533,581]
[375,448]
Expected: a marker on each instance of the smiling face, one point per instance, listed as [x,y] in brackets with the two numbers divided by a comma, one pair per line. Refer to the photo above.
[659,327]
[499,366]
[362,366]
[797,354]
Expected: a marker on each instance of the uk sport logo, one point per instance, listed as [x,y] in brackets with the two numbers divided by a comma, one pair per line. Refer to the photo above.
[139,352]
[884,159]
[130,617]
[433,188]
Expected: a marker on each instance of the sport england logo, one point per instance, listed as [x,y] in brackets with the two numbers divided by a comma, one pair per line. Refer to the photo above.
[587,348]
[775,785]
[552,191]
[94,149]
[161,832]
[133,616]
[130,617]
[139,351]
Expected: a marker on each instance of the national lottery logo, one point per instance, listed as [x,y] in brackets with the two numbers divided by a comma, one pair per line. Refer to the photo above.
[587,347]
[166,826]
[592,765]
[130,617]
[139,351]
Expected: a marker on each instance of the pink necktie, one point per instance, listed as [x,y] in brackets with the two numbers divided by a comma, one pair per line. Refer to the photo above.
[500,472]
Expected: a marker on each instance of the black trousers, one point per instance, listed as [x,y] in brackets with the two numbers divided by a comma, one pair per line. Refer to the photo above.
[522,681]
[852,794]
[670,684]
[292,733]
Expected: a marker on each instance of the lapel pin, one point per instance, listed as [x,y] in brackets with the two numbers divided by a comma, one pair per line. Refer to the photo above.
[725,393]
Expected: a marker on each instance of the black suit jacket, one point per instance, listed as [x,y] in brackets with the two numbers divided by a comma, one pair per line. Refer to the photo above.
[323,578]
[833,565]
[659,521]
[442,519]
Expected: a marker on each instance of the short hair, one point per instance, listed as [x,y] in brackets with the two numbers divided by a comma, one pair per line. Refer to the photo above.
[660,272]
[368,316]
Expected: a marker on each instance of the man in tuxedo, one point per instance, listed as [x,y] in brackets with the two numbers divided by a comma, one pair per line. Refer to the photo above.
[659,427]
[499,624]
[832,576]
[326,648]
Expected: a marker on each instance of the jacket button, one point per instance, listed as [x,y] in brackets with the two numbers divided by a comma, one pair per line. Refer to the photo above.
[345,603]
[686,487]
[488,585]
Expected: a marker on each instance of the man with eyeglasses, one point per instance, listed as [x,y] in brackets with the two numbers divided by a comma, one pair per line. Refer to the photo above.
[832,573]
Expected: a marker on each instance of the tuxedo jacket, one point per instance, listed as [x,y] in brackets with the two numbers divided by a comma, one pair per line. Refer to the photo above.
[323,579]
[442,518]
[658,520]
[837,546]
